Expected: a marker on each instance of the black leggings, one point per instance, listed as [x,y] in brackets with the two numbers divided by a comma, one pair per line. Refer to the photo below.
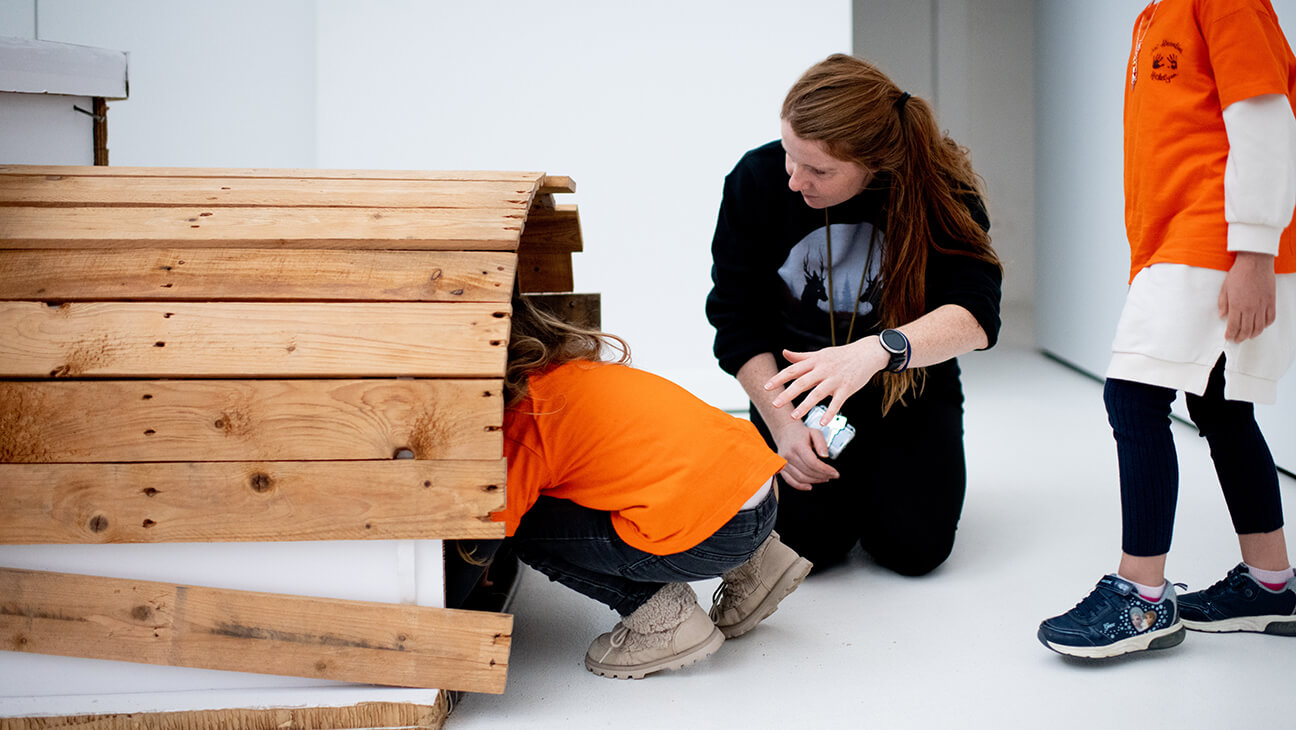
[901,488]
[1139,415]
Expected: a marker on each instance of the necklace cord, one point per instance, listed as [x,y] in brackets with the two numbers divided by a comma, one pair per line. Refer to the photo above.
[1144,25]
[832,309]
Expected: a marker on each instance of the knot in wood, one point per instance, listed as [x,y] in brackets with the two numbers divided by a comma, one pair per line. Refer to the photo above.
[261,482]
[98,523]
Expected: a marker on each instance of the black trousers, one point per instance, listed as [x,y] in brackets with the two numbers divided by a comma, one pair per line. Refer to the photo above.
[902,483]
[1139,415]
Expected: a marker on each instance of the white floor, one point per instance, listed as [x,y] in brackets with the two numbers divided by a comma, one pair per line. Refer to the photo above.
[857,647]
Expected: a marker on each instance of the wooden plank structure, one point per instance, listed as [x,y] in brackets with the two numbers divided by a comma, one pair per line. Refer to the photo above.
[214,355]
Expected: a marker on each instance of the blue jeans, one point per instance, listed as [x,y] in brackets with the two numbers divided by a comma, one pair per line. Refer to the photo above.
[578,547]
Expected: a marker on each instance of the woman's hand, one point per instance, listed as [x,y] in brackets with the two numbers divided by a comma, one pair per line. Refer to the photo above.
[835,373]
[804,450]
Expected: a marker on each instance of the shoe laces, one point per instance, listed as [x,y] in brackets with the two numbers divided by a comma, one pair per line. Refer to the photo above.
[616,640]
[1235,579]
[721,593]
[1098,595]
[735,586]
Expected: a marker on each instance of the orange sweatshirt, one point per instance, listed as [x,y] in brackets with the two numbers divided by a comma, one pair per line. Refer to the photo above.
[669,468]
[1190,59]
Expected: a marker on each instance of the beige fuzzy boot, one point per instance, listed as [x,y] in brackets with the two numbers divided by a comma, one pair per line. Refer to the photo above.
[669,631]
[751,592]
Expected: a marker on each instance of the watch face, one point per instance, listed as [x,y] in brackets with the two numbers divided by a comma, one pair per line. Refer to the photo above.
[893,340]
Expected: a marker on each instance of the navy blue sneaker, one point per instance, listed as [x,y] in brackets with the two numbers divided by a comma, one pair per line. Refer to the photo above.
[1240,603]
[1113,620]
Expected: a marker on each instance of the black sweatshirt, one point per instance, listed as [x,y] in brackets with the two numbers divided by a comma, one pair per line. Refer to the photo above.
[770,275]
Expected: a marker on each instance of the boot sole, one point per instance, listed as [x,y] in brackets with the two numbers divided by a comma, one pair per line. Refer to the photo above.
[788,582]
[1164,639]
[697,653]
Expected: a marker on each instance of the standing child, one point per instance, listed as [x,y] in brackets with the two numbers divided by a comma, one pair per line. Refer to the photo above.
[1210,184]
[625,487]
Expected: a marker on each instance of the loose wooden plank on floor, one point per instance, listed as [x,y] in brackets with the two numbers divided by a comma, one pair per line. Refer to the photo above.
[193,626]
[253,339]
[207,274]
[362,716]
[402,499]
[248,420]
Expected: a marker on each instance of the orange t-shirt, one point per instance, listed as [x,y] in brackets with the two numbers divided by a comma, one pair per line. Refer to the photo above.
[670,468]
[1194,59]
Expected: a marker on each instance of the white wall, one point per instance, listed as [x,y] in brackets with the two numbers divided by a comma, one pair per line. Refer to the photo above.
[18,18]
[1083,258]
[228,84]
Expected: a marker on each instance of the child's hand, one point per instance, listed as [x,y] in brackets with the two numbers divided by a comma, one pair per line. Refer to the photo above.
[1247,299]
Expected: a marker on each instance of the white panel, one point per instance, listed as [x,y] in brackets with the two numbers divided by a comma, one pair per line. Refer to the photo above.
[45,129]
[44,67]
[429,576]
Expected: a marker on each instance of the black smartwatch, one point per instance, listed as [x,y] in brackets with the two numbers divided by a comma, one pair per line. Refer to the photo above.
[897,345]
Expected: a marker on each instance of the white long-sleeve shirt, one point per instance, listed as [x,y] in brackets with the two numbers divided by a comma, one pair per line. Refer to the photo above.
[1260,176]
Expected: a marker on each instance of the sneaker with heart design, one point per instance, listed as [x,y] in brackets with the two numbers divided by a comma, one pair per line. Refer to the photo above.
[1114,620]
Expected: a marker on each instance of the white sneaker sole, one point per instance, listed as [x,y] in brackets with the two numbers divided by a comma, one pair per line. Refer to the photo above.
[1163,639]
[1276,625]
[697,653]
[788,582]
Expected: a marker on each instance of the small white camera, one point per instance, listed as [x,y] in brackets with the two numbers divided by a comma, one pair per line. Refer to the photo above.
[837,433]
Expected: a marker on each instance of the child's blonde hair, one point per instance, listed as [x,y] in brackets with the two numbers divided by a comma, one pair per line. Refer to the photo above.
[538,340]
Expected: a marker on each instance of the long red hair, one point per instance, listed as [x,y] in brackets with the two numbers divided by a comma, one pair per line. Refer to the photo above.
[860,115]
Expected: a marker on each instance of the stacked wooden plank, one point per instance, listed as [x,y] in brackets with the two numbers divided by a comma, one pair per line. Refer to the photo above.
[253,355]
